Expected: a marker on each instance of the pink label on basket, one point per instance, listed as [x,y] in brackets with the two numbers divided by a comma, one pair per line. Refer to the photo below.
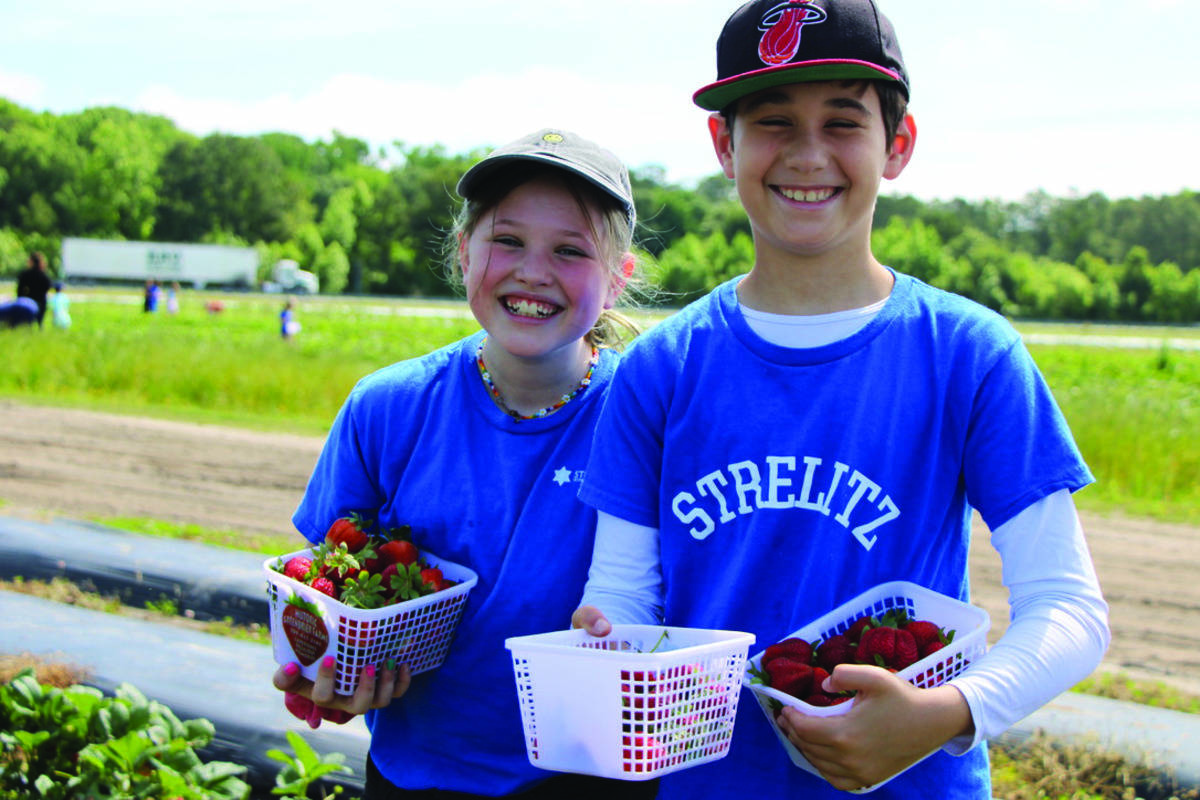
[305,633]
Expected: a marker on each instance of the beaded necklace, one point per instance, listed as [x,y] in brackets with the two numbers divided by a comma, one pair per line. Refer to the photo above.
[562,401]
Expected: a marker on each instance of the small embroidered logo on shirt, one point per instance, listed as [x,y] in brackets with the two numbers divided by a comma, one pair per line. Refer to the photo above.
[563,476]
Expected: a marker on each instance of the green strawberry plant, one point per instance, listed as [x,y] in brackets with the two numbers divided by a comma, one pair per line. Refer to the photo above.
[301,770]
[78,744]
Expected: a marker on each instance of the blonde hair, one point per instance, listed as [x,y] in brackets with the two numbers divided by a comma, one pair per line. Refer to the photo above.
[612,328]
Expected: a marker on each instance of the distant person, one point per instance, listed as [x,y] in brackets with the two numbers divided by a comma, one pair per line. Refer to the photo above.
[21,311]
[60,307]
[173,298]
[288,325]
[33,282]
[153,293]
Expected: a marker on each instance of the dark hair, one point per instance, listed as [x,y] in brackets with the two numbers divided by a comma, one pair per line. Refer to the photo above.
[612,329]
[893,105]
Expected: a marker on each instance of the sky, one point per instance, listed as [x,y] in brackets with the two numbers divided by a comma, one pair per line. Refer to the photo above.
[1064,96]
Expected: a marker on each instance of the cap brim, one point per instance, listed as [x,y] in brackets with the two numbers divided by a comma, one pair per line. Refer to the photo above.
[717,96]
[478,173]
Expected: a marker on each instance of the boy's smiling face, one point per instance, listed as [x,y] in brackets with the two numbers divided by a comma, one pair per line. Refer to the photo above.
[807,159]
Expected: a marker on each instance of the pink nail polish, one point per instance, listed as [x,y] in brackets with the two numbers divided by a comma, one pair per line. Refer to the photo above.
[328,662]
[369,672]
[290,669]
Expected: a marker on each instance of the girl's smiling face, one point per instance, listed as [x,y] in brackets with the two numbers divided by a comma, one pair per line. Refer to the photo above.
[536,270]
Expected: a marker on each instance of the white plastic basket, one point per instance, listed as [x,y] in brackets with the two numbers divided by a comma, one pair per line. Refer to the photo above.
[414,632]
[969,623]
[606,706]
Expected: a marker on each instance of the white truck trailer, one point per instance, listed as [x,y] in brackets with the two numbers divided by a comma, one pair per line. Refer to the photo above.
[198,264]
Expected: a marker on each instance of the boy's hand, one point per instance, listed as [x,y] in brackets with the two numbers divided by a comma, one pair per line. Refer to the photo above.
[892,725]
[592,620]
[314,701]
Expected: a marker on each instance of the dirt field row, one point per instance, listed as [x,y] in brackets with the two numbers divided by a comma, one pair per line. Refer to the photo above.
[80,464]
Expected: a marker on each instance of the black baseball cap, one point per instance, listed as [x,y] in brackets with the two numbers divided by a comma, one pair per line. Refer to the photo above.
[774,42]
[564,150]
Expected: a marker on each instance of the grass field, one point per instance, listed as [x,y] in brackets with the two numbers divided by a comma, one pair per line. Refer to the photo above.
[1134,412]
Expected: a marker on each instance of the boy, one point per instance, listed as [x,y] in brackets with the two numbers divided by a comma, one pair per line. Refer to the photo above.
[824,424]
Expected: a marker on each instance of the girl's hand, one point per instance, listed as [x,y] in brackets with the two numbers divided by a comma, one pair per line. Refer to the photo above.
[891,726]
[592,620]
[313,701]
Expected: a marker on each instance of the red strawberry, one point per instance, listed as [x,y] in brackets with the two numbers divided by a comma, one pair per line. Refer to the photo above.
[790,676]
[854,634]
[444,584]
[835,650]
[818,699]
[399,551]
[888,647]
[906,650]
[349,530]
[431,577]
[297,568]
[877,646]
[819,676]
[924,632]
[795,649]
[325,586]
[932,647]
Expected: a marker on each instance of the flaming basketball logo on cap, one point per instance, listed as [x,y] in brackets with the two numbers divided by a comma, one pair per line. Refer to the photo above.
[781,29]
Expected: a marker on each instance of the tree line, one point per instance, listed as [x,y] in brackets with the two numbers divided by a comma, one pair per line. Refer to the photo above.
[373,221]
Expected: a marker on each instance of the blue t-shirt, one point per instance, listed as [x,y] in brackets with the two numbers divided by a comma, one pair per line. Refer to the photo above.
[786,481]
[422,443]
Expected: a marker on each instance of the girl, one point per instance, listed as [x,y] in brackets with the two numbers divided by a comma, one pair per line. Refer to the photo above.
[480,447]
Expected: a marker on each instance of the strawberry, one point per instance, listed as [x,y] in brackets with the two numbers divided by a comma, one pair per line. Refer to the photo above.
[854,634]
[924,632]
[297,568]
[349,530]
[835,650]
[325,586]
[887,647]
[398,547]
[338,561]
[877,646]
[818,699]
[431,577]
[790,676]
[398,551]
[906,650]
[795,649]
[932,647]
